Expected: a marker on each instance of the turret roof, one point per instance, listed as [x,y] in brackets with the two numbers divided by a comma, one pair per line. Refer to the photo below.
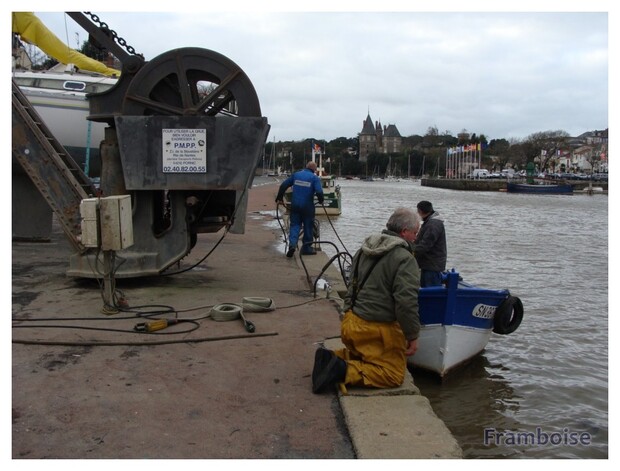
[368,128]
[392,131]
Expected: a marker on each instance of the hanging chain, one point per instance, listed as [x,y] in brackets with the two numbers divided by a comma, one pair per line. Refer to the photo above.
[104,26]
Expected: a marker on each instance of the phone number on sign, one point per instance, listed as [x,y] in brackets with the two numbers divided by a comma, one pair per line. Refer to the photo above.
[184,169]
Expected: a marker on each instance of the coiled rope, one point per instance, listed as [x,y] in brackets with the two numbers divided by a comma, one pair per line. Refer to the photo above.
[231,311]
[225,312]
[258,304]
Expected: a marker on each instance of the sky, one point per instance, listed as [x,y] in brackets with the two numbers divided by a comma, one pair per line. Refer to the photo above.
[319,73]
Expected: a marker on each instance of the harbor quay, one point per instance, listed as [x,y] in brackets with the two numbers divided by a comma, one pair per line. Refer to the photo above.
[87,383]
[489,184]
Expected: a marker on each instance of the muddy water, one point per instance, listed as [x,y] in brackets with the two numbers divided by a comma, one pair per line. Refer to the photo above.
[541,392]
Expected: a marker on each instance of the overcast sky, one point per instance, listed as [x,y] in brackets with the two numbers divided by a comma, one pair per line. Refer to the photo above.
[504,75]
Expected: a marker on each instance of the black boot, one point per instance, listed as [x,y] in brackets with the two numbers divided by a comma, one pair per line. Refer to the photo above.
[328,370]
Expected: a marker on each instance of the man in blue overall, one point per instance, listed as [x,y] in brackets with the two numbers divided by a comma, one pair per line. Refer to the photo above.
[305,185]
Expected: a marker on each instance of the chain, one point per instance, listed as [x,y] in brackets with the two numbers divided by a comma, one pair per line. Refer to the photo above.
[104,26]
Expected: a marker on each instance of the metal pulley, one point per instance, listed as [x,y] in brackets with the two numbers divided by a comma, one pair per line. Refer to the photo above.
[191,82]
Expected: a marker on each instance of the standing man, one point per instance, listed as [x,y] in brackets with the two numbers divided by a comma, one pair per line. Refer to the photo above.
[430,246]
[305,185]
[381,324]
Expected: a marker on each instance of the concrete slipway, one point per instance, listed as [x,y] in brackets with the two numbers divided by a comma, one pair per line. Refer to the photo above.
[216,392]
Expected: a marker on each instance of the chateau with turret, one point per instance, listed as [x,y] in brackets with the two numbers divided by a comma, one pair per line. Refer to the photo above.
[375,138]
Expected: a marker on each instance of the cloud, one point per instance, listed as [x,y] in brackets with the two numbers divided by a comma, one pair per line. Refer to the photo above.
[317,74]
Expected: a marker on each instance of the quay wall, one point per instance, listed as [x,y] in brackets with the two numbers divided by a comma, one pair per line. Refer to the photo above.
[495,184]
[466,185]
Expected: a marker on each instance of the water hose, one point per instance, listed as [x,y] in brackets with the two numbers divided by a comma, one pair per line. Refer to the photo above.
[230,312]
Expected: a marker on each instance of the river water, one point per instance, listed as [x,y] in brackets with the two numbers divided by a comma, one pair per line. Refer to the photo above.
[548,379]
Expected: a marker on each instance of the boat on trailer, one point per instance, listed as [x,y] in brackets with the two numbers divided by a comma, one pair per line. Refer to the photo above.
[457,320]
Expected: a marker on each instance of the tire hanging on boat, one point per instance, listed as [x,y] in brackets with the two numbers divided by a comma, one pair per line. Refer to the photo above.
[508,316]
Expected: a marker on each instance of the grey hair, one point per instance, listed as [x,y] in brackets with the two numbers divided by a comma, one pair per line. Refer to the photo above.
[401,219]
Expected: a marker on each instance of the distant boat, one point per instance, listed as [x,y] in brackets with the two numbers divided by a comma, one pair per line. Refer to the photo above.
[544,189]
[332,197]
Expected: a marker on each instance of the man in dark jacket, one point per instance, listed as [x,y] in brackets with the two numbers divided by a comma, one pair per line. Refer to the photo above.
[429,247]
[305,185]
[381,324]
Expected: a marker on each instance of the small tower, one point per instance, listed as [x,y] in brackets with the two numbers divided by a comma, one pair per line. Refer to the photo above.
[367,139]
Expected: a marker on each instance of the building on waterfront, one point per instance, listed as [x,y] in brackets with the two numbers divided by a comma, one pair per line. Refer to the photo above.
[375,138]
[585,153]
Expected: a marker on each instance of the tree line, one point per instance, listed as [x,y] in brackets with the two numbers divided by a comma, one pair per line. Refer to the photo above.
[420,155]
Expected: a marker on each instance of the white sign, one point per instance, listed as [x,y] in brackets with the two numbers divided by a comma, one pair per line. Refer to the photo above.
[184,150]
[484,311]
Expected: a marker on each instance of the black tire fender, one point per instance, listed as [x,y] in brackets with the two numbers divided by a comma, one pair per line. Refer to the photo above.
[508,316]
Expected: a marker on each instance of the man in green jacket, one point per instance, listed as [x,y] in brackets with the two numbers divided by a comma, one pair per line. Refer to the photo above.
[381,324]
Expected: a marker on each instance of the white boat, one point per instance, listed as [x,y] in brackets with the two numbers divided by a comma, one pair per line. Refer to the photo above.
[332,204]
[457,320]
[61,101]
[332,197]
[60,95]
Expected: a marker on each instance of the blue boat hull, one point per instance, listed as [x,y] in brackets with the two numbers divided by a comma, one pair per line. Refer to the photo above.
[539,189]
[457,320]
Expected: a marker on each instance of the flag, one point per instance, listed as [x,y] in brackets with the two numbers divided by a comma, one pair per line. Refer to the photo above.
[317,148]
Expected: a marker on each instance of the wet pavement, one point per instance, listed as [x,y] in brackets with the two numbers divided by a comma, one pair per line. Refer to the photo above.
[220,392]
[86,385]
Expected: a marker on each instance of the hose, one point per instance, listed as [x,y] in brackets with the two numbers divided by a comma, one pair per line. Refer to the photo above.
[231,312]
[333,228]
[281,226]
[340,255]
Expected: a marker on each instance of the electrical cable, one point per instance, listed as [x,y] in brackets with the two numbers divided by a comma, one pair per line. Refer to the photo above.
[195,326]
[340,255]
[164,273]
[281,226]
[334,229]
[228,226]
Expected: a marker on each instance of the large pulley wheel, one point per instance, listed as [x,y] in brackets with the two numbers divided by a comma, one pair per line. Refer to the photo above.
[191,82]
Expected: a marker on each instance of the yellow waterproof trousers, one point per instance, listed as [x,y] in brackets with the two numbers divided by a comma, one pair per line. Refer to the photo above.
[375,352]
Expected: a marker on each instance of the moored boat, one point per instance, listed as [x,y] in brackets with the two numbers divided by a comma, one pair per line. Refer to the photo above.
[543,188]
[332,204]
[457,322]
[332,195]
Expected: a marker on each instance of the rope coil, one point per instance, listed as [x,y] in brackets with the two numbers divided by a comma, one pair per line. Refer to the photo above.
[258,304]
[225,312]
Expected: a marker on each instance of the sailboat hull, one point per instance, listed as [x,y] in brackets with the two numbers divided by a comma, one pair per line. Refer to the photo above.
[61,101]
